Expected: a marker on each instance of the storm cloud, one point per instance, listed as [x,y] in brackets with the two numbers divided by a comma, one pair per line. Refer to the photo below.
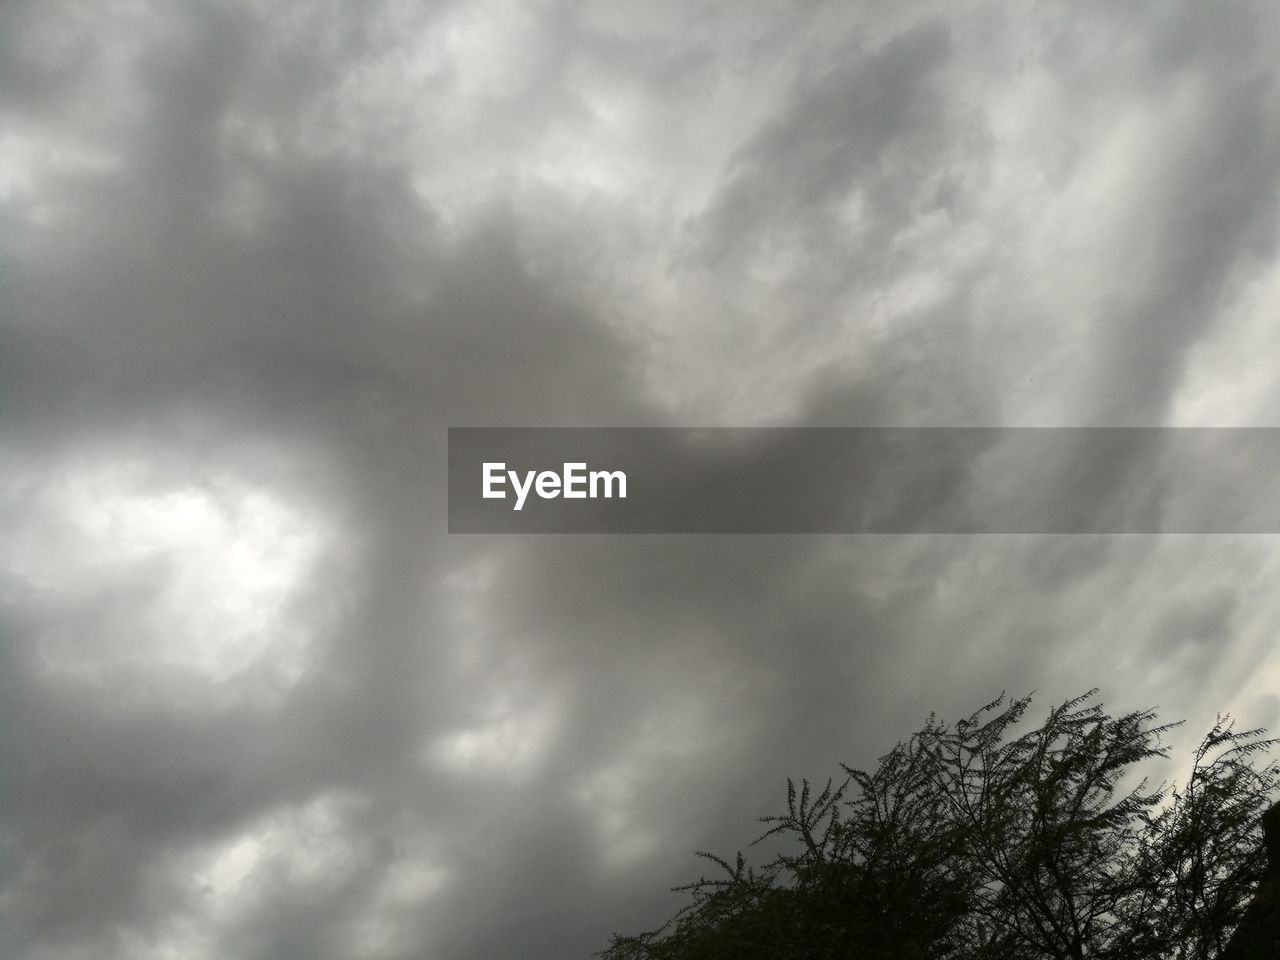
[257,257]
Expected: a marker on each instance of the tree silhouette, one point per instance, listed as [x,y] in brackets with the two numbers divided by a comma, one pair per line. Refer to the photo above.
[973,840]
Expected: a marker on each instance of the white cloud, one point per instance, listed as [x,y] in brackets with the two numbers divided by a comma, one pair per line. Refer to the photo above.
[204,574]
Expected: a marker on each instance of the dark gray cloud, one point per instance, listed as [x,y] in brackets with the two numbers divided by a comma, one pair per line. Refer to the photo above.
[255,258]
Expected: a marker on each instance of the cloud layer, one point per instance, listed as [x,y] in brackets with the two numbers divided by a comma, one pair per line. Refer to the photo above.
[256,257]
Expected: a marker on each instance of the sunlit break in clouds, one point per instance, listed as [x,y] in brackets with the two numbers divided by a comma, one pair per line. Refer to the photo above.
[195,579]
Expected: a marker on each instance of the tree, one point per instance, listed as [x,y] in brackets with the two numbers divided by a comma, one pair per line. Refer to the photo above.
[971,840]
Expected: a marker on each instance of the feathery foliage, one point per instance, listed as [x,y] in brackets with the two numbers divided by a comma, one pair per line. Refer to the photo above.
[971,840]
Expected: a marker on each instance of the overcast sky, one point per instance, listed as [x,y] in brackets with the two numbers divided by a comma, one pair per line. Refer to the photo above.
[256,257]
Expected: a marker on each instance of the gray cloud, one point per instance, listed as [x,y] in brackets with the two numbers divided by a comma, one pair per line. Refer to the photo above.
[255,702]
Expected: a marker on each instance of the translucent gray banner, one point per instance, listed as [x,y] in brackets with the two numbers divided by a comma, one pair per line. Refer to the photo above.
[863,480]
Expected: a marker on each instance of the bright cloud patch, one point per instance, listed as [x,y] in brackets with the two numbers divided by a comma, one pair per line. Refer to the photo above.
[509,741]
[195,577]
[299,845]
